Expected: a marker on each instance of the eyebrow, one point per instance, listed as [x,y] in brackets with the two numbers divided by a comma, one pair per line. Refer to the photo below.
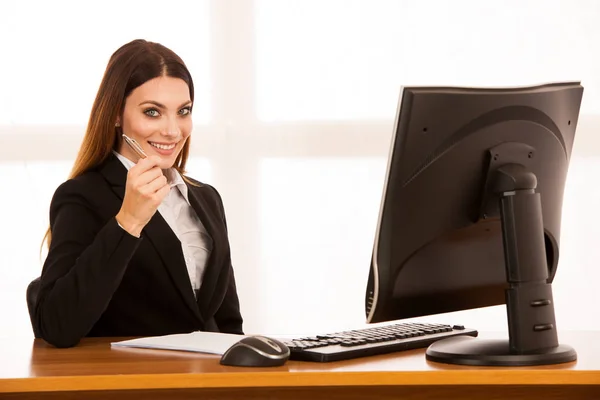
[159,105]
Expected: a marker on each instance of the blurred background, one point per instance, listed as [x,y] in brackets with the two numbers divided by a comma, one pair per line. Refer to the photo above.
[294,112]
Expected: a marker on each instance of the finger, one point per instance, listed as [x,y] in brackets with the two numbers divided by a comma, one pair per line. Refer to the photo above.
[161,194]
[152,187]
[163,191]
[145,164]
[147,177]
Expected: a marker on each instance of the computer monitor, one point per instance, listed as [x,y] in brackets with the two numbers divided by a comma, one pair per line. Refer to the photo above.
[471,213]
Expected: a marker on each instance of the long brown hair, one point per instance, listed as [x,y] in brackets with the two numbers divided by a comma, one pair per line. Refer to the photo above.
[130,66]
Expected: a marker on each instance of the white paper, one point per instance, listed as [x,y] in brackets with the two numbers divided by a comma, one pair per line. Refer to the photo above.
[201,342]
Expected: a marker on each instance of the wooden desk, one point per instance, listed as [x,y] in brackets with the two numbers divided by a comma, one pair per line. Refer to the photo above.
[95,371]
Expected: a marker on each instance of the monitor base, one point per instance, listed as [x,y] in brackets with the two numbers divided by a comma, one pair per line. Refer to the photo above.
[466,350]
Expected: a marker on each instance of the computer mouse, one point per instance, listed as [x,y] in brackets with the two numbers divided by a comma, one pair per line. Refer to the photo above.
[256,351]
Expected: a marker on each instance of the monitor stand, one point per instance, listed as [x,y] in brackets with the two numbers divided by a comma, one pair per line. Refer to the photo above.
[533,338]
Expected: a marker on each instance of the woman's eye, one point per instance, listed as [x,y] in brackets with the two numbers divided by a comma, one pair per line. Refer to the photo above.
[185,111]
[152,112]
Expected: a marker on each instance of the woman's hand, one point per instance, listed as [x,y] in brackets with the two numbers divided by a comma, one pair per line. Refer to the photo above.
[145,189]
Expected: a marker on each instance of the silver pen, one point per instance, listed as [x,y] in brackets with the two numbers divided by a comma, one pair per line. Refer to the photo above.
[134,146]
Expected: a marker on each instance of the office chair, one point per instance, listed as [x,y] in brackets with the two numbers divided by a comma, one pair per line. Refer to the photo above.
[32,293]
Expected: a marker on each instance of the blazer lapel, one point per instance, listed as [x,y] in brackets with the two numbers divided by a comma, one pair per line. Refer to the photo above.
[168,247]
[160,234]
[214,266]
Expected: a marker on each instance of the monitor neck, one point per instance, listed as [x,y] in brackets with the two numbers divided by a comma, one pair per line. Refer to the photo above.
[529,302]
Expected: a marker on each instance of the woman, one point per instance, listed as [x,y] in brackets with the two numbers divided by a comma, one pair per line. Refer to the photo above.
[135,248]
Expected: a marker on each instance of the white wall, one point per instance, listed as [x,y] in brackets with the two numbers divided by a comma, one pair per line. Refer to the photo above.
[293,118]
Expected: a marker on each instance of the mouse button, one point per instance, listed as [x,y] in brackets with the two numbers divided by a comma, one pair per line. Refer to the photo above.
[267,345]
[269,354]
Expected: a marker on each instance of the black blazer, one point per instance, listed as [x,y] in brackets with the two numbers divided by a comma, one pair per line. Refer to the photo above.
[98,280]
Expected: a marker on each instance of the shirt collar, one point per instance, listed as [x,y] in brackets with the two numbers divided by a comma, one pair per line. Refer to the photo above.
[173,176]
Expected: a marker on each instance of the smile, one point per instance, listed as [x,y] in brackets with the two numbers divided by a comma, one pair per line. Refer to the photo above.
[163,146]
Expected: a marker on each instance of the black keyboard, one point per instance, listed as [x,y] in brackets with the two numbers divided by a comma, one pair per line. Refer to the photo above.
[371,341]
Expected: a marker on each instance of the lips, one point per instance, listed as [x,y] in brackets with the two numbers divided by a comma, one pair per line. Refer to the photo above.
[163,146]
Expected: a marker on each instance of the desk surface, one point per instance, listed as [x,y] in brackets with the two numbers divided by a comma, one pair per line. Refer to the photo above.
[34,367]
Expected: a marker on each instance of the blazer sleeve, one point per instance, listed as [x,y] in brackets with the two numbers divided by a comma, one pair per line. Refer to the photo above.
[228,317]
[85,264]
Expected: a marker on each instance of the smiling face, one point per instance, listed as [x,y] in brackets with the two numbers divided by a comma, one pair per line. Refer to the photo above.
[157,114]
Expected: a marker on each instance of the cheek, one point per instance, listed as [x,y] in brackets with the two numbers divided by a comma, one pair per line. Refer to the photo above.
[185,126]
[138,125]
[144,127]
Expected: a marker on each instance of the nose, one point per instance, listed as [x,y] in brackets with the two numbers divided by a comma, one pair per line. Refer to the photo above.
[171,128]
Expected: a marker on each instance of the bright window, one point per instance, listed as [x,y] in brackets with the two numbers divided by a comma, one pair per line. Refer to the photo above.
[347,59]
[54,60]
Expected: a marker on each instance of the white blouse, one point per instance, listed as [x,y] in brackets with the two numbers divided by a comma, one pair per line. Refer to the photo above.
[177,211]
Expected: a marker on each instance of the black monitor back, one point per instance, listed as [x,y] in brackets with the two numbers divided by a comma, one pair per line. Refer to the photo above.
[438,245]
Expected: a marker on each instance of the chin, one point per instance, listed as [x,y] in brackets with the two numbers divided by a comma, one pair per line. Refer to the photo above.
[167,163]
